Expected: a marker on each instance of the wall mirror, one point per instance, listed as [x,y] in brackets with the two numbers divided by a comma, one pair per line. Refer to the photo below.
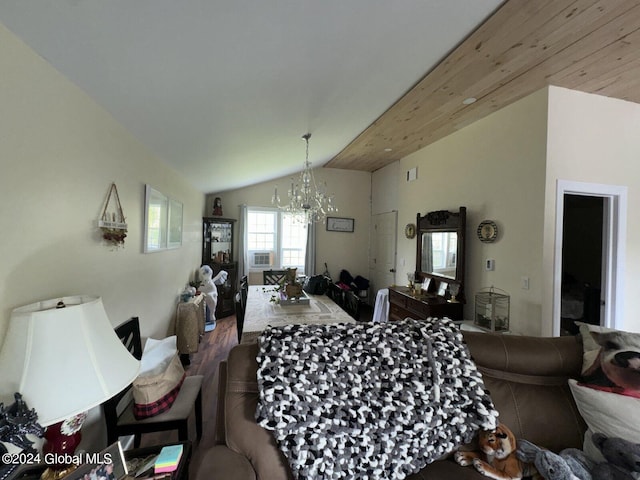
[441,249]
[162,221]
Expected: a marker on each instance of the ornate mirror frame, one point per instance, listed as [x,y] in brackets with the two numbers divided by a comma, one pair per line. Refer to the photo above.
[442,221]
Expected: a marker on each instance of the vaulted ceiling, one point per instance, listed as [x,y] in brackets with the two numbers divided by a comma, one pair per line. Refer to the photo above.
[223,89]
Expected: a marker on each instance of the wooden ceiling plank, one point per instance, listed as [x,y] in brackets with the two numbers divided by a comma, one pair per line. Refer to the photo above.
[612,59]
[605,32]
[429,112]
[586,14]
[516,9]
[471,62]
[491,76]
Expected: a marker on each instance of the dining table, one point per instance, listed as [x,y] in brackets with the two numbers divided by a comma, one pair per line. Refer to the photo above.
[264,307]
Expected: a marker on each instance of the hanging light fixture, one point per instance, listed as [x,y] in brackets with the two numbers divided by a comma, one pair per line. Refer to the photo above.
[308,202]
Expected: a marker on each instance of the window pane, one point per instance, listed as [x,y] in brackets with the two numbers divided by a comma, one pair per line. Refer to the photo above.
[293,243]
[274,240]
[261,230]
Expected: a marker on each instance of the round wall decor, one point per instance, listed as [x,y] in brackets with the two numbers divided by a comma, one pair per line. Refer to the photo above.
[410,230]
[487,231]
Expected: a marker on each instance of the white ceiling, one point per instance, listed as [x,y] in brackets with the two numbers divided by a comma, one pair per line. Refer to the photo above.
[224,90]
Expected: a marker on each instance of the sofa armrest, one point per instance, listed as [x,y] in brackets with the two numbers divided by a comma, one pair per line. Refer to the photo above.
[221,462]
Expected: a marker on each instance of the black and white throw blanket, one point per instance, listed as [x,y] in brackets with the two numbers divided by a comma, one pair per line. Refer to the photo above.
[369,401]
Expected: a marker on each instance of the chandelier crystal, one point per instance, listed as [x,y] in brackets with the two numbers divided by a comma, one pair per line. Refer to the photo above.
[308,201]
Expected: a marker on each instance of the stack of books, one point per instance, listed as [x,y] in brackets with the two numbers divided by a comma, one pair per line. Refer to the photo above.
[168,459]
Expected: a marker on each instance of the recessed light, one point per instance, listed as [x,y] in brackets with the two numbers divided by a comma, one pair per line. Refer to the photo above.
[388,149]
[469,101]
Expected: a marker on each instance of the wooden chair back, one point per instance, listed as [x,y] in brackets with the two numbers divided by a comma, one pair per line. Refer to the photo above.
[129,334]
[273,277]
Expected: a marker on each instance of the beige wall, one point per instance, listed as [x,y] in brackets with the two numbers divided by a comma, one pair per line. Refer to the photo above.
[352,190]
[496,168]
[59,153]
[595,139]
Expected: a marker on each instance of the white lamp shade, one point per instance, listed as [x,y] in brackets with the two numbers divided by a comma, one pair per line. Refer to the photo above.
[63,361]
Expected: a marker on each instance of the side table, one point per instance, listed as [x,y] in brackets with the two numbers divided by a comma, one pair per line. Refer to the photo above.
[137,455]
[190,317]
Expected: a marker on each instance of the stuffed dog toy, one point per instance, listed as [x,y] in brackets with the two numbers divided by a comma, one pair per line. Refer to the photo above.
[497,456]
[617,366]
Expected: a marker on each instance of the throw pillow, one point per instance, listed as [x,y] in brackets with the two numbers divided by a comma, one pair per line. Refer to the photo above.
[608,413]
[611,360]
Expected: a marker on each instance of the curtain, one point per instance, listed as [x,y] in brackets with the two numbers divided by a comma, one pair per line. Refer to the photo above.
[243,259]
[310,253]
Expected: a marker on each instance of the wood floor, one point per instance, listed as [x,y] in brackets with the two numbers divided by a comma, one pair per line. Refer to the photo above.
[215,347]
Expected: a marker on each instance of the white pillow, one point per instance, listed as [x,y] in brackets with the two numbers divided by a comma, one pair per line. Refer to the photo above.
[608,413]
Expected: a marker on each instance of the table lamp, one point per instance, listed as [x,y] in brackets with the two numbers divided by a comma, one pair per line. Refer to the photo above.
[65,358]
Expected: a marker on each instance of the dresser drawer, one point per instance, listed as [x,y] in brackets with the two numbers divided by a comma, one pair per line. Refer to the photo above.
[396,298]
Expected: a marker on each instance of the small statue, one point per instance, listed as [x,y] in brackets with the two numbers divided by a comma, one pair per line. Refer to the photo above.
[209,289]
[217,207]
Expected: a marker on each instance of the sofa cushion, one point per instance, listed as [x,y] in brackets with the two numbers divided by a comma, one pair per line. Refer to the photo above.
[608,413]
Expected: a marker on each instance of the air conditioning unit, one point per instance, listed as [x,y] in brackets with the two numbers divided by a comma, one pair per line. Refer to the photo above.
[261,259]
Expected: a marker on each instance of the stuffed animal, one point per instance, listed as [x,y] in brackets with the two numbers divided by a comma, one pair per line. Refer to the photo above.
[570,464]
[208,287]
[497,456]
[623,458]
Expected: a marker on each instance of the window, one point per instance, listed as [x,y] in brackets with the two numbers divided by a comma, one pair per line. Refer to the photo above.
[275,240]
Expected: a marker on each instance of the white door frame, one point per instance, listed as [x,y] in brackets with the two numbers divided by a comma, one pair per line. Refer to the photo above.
[613,246]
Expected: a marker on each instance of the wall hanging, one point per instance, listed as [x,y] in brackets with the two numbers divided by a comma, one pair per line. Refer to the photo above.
[112,221]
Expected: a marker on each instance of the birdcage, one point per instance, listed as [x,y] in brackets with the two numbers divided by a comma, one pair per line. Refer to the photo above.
[492,309]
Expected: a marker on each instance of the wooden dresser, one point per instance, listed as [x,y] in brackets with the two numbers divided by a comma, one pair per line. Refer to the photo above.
[402,305]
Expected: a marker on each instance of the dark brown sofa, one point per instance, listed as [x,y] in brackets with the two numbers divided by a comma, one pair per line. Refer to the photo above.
[526,377]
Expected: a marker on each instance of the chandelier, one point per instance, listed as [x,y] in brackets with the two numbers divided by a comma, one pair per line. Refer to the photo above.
[308,202]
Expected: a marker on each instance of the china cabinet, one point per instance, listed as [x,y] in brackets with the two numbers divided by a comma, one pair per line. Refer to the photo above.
[217,252]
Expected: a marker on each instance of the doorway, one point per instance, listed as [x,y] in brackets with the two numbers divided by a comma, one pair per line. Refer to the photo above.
[590,246]
[582,261]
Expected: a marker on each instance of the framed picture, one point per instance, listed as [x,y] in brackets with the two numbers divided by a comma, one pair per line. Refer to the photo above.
[442,289]
[108,464]
[162,221]
[338,224]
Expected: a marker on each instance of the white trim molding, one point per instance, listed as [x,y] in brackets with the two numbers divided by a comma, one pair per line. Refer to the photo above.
[614,248]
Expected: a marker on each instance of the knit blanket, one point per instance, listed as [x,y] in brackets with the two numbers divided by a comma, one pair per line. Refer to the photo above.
[369,401]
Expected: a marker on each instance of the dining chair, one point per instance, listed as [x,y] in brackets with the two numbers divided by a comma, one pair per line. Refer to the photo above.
[273,277]
[241,305]
[352,305]
[118,410]
[335,293]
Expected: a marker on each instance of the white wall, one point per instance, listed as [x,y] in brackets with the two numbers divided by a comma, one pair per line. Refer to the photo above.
[340,250]
[59,153]
[496,168]
[595,139]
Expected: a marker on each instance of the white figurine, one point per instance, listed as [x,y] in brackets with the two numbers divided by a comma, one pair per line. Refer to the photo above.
[208,288]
